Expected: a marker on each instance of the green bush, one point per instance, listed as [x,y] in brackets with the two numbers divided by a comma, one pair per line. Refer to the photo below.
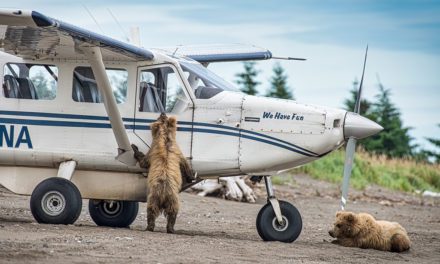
[395,174]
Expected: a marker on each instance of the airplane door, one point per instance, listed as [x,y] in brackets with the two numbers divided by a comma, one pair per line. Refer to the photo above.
[160,89]
[216,137]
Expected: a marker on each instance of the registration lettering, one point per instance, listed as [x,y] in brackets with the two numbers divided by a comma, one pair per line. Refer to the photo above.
[9,139]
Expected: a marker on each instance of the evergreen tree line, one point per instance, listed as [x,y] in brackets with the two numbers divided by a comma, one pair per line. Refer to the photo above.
[393,141]
[278,82]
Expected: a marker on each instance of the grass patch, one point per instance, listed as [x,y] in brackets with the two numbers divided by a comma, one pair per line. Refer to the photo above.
[395,174]
[283,179]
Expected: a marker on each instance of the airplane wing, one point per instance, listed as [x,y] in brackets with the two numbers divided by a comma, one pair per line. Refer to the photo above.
[32,35]
[220,52]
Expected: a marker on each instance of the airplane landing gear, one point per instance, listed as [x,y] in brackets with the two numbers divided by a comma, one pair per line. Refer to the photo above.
[278,220]
[113,213]
[56,201]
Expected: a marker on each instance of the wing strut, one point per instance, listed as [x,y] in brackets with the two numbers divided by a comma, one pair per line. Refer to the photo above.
[125,153]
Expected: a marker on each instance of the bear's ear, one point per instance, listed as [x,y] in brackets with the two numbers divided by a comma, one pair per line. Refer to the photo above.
[350,217]
[338,213]
[172,122]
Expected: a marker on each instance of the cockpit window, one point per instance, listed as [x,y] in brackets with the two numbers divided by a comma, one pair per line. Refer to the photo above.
[204,83]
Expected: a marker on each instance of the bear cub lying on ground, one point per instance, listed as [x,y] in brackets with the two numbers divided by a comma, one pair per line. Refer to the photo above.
[363,231]
[166,167]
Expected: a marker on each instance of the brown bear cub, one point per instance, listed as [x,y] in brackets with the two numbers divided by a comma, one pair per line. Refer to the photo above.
[363,231]
[166,167]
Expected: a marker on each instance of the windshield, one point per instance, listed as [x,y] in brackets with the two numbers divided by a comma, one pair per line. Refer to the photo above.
[204,83]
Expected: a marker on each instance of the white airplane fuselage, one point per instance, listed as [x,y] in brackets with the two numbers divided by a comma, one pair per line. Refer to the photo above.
[228,134]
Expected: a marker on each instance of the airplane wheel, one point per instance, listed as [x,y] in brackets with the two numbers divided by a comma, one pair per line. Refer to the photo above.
[270,230]
[114,213]
[56,201]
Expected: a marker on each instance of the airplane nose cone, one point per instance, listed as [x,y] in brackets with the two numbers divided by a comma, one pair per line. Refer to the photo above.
[360,127]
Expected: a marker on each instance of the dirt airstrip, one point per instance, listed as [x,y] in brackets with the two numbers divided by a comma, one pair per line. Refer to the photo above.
[212,230]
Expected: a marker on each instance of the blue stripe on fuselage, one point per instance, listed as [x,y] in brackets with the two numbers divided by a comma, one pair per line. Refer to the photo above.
[232,130]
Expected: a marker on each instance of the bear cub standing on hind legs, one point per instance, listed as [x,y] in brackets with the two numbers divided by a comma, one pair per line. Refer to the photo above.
[166,167]
[363,231]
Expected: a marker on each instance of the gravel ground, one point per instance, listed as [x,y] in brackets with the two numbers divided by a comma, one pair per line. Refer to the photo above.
[211,230]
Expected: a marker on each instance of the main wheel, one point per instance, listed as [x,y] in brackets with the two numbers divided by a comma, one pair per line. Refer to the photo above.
[56,201]
[114,213]
[270,230]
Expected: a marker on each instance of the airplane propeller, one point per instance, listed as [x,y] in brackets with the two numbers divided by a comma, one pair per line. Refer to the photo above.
[355,127]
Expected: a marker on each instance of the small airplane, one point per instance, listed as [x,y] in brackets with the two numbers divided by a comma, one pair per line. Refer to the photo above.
[72,102]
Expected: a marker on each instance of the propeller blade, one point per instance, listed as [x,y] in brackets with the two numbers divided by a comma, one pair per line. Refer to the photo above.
[357,106]
[349,159]
[351,144]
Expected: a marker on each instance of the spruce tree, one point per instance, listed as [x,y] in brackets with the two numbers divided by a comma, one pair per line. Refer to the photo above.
[394,140]
[278,82]
[246,79]
[435,155]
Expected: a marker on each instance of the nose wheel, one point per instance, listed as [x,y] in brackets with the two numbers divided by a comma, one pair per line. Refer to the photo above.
[278,220]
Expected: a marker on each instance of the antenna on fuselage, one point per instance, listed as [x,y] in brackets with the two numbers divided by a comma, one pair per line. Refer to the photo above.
[135,38]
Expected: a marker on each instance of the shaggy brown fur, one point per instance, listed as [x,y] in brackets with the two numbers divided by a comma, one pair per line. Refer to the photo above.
[166,166]
[363,231]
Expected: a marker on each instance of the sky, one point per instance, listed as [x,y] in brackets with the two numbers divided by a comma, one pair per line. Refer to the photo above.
[403,38]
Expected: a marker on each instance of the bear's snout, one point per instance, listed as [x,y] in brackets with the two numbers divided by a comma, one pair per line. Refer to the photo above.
[331,233]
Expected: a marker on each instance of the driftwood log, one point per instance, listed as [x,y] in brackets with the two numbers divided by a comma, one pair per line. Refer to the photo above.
[231,188]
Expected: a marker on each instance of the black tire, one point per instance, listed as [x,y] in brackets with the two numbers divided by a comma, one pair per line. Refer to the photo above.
[56,201]
[268,228]
[120,214]
[259,220]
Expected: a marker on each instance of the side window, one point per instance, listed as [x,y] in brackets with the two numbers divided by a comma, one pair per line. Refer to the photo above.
[30,81]
[85,88]
[161,91]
